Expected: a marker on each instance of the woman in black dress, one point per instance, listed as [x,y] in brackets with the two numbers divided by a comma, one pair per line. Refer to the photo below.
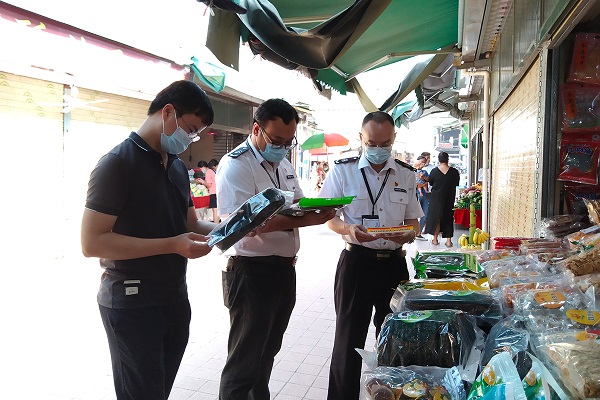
[440,217]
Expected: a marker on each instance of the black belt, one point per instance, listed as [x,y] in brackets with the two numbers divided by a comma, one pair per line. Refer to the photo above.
[277,260]
[375,253]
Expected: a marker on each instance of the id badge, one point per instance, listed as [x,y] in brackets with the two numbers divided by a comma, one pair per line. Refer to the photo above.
[370,221]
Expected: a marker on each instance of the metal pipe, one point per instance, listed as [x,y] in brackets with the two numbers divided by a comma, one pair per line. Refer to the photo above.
[461,20]
[485,145]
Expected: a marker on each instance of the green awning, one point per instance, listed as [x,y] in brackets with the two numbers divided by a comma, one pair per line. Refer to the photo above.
[339,39]
[464,136]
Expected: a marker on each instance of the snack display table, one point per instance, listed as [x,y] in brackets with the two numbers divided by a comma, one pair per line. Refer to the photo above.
[201,201]
[462,217]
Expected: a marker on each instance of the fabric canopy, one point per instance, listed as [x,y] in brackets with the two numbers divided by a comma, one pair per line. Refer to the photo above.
[336,40]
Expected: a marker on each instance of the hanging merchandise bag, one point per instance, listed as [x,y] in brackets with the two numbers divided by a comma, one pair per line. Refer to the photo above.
[581,107]
[579,158]
[585,63]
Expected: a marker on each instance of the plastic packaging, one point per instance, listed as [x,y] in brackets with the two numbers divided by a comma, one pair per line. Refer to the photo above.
[585,62]
[469,297]
[499,380]
[435,264]
[491,255]
[250,215]
[584,238]
[586,262]
[508,335]
[315,204]
[579,158]
[546,311]
[413,382]
[581,107]
[442,338]
[559,226]
[593,208]
[577,365]
[507,243]
[512,267]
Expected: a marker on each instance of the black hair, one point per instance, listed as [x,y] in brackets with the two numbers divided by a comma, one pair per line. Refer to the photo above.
[202,164]
[379,117]
[421,157]
[443,157]
[212,163]
[187,98]
[272,109]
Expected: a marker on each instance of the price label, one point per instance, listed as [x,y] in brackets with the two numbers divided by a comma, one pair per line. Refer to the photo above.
[584,317]
[550,299]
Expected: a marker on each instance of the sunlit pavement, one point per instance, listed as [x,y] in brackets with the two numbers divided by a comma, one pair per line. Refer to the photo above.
[54,345]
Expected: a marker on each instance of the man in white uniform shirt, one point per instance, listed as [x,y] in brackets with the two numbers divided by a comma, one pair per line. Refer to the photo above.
[371,266]
[259,284]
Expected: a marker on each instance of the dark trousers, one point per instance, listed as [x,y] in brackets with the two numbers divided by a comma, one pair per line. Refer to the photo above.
[424,202]
[260,293]
[362,281]
[146,347]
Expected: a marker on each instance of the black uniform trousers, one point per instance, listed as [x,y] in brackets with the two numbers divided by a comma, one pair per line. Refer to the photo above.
[260,293]
[364,279]
[146,347]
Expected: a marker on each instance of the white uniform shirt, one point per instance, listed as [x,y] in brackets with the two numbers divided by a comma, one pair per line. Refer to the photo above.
[397,202]
[242,177]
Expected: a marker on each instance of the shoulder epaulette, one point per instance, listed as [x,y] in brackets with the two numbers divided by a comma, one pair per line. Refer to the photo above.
[239,151]
[346,160]
[405,165]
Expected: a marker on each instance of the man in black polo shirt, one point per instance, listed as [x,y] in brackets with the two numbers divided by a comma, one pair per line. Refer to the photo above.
[139,219]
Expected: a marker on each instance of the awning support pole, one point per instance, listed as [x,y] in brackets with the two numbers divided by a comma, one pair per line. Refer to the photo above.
[485,138]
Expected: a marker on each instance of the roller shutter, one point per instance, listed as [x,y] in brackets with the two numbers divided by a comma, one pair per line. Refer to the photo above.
[513,163]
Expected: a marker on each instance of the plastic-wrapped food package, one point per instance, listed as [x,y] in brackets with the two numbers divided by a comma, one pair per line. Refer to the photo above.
[491,255]
[593,208]
[579,157]
[548,311]
[585,282]
[581,107]
[585,62]
[510,288]
[445,264]
[577,365]
[499,380]
[442,338]
[585,237]
[507,243]
[583,263]
[249,216]
[429,295]
[508,335]
[559,226]
[513,267]
[414,382]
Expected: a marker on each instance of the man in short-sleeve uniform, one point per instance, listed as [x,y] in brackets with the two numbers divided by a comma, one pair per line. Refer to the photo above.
[370,267]
[259,284]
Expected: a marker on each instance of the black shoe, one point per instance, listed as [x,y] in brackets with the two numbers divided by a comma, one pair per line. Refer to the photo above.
[420,237]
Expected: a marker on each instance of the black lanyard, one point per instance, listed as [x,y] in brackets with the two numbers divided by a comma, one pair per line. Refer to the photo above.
[278,184]
[380,189]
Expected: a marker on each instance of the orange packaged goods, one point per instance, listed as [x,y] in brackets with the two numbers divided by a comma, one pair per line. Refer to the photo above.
[391,229]
[585,63]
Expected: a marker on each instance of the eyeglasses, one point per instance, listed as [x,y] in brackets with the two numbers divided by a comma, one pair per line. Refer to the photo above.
[192,134]
[279,146]
[371,144]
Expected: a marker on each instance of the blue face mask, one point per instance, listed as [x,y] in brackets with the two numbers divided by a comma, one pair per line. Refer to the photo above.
[177,143]
[271,153]
[378,155]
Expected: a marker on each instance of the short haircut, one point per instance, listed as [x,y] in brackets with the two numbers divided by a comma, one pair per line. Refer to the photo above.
[272,109]
[212,163]
[379,117]
[443,157]
[421,158]
[426,154]
[187,98]
[202,164]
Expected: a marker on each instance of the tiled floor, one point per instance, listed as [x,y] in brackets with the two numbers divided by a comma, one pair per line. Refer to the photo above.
[302,367]
[53,345]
